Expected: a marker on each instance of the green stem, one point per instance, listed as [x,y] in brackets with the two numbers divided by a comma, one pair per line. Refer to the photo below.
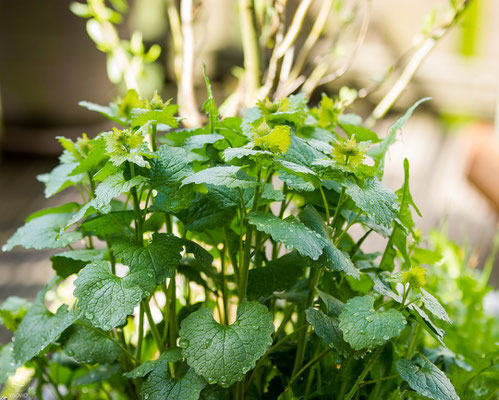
[363,374]
[138,351]
[153,327]
[386,378]
[414,339]
[154,144]
[225,294]
[308,365]
[166,312]
[48,378]
[172,300]
[315,274]
[336,216]
[326,206]
[136,208]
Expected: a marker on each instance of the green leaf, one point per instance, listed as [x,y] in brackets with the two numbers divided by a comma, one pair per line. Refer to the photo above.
[59,178]
[170,355]
[223,354]
[109,112]
[327,328]
[71,262]
[374,199]
[363,327]
[141,116]
[62,209]
[333,258]
[296,182]
[108,224]
[204,213]
[378,153]
[209,105]
[434,306]
[278,275]
[293,233]
[7,365]
[43,233]
[361,134]
[113,186]
[220,176]
[12,311]
[100,373]
[39,328]
[161,256]
[426,379]
[427,323]
[107,300]
[87,346]
[199,141]
[240,152]
[159,385]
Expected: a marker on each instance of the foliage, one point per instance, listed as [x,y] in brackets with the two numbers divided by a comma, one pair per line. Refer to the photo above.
[233,241]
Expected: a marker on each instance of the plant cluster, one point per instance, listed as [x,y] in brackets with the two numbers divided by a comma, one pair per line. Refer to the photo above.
[222,264]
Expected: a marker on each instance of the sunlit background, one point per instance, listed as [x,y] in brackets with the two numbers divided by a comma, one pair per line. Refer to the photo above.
[48,63]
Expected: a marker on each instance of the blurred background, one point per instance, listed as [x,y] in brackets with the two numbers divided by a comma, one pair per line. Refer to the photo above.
[48,63]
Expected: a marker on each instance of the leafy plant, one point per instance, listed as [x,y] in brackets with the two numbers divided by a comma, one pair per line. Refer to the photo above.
[221,264]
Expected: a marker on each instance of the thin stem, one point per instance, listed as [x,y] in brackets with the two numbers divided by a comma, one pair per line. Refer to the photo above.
[414,339]
[47,377]
[176,35]
[315,274]
[363,374]
[386,378]
[251,48]
[172,300]
[308,365]
[338,208]
[154,144]
[138,350]
[326,206]
[166,312]
[153,327]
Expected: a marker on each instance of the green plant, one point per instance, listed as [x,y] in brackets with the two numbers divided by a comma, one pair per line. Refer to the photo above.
[221,263]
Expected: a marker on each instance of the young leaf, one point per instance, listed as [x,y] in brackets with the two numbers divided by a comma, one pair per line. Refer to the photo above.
[87,346]
[43,233]
[434,306]
[107,300]
[291,232]
[71,262]
[363,327]
[39,328]
[374,199]
[426,379]
[378,153]
[142,116]
[220,176]
[209,105]
[161,256]
[223,354]
[114,185]
[12,311]
[59,178]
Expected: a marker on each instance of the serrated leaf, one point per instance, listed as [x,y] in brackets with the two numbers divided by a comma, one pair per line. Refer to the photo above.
[159,385]
[333,258]
[109,112]
[209,105]
[374,199]
[170,166]
[293,233]
[220,176]
[59,178]
[277,275]
[141,116]
[87,346]
[7,365]
[296,182]
[113,186]
[363,327]
[426,379]
[39,328]
[170,355]
[333,305]
[240,152]
[427,323]
[199,141]
[361,134]
[12,311]
[106,300]
[71,262]
[62,209]
[223,354]
[108,224]
[277,141]
[384,288]
[205,213]
[433,305]
[378,153]
[161,256]
[43,233]
[327,328]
